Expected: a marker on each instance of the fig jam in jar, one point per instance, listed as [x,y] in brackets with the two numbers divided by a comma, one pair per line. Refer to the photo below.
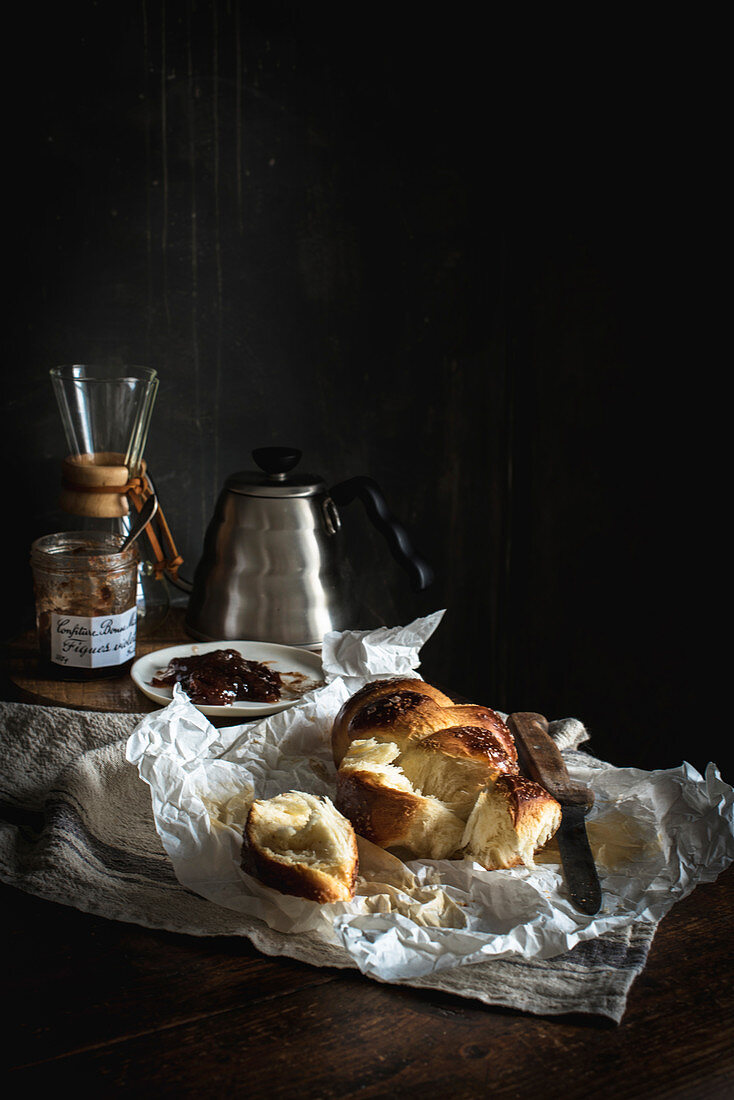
[86,607]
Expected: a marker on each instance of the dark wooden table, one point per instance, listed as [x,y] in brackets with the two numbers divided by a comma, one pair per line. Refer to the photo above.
[108,1008]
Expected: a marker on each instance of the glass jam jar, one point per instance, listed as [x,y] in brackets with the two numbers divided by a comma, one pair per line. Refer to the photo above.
[86,609]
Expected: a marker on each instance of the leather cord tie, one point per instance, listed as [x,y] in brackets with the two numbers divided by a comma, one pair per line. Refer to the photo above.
[166,557]
[116,492]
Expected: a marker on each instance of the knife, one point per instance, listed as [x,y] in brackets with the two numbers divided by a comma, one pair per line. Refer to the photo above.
[541,760]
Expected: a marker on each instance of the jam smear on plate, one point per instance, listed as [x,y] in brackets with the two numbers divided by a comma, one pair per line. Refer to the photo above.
[220,677]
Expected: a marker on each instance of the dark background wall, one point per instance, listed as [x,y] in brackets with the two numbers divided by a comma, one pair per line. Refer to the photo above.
[475,261]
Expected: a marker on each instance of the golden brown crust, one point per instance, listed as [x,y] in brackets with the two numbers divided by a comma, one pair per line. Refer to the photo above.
[525,798]
[381,705]
[486,718]
[404,710]
[398,683]
[379,813]
[474,744]
[303,882]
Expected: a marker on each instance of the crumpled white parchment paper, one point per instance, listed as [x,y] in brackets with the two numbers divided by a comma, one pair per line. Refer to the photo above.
[655,835]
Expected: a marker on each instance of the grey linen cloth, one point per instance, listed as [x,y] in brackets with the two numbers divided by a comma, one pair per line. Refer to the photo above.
[77,828]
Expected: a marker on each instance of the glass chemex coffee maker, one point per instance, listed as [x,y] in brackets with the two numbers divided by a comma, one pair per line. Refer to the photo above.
[106,413]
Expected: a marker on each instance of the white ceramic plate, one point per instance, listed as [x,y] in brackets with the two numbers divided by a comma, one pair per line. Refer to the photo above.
[300,669]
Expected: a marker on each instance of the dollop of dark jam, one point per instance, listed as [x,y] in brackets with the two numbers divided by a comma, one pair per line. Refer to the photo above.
[220,677]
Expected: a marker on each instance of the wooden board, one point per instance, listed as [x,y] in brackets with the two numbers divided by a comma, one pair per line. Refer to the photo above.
[152,1013]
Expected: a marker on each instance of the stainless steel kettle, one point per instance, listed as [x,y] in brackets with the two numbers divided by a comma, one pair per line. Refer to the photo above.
[273,566]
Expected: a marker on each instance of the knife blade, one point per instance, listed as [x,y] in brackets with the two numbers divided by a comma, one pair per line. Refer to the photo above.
[541,760]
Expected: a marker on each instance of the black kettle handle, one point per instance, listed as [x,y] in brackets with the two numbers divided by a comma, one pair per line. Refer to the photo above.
[401,548]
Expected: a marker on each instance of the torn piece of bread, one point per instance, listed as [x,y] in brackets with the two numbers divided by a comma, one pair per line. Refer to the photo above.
[384,807]
[511,819]
[300,844]
[455,764]
[405,710]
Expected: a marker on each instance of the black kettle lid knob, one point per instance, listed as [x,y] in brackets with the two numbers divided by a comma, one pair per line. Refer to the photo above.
[276,460]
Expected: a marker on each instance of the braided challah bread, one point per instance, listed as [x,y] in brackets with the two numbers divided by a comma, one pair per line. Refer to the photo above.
[431,779]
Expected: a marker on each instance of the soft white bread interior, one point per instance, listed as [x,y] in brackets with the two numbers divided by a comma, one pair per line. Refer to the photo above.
[511,819]
[384,807]
[456,764]
[300,844]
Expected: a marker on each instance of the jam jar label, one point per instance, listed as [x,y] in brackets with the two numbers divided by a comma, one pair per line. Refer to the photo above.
[96,642]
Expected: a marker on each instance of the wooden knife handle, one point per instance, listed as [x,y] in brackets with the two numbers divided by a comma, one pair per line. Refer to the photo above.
[541,759]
